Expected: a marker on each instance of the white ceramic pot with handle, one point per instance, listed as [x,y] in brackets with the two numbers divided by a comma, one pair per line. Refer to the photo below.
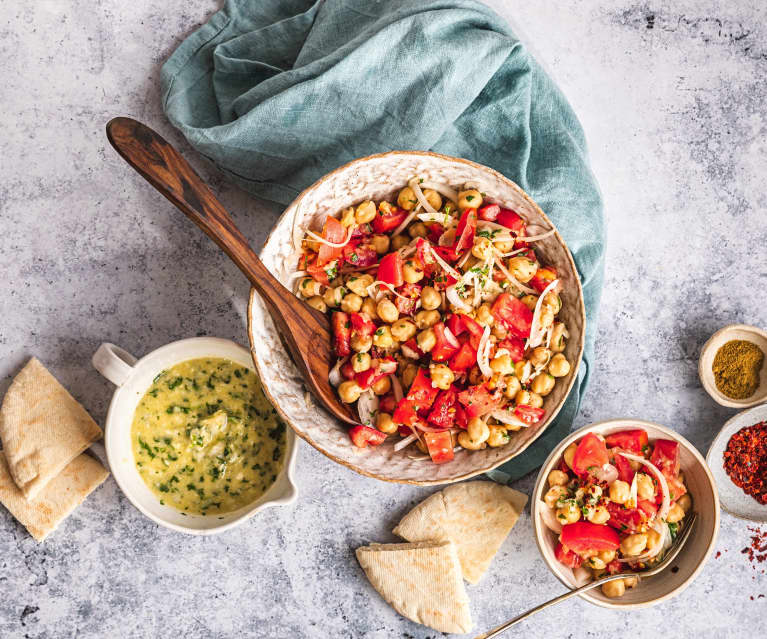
[133,377]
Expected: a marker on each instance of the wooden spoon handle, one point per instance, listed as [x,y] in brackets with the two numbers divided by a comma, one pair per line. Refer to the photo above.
[164,167]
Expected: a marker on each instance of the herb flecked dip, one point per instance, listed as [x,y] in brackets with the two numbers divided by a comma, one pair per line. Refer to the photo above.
[205,438]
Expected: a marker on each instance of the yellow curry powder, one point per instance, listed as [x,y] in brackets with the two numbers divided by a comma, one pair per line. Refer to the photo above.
[736,368]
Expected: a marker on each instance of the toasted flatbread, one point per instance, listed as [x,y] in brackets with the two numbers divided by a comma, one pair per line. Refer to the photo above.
[476,516]
[61,495]
[42,428]
[421,581]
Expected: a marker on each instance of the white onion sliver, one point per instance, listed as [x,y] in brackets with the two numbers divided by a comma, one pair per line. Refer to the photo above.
[367,405]
[549,518]
[451,339]
[452,296]
[448,269]
[402,443]
[443,189]
[536,332]
[322,240]
[582,576]
[396,387]
[406,221]
[420,196]
[483,353]
[386,285]
[334,376]
[666,504]
[506,417]
[535,238]
[443,218]
[608,473]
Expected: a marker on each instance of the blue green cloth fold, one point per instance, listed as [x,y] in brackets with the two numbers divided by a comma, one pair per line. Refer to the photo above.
[276,93]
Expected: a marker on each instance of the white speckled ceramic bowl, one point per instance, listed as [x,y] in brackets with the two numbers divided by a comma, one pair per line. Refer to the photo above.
[690,561]
[132,378]
[381,177]
[733,499]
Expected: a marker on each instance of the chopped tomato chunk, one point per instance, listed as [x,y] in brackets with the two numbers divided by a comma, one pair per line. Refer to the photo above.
[665,456]
[529,414]
[567,557]
[359,255]
[464,359]
[513,313]
[583,536]
[362,324]
[464,234]
[625,471]
[385,223]
[421,391]
[591,454]
[321,273]
[363,435]
[544,276]
[333,231]
[387,403]
[440,446]
[443,348]
[443,410]
[632,441]
[627,520]
[515,346]
[477,401]
[489,212]
[410,291]
[511,220]
[342,333]
[390,269]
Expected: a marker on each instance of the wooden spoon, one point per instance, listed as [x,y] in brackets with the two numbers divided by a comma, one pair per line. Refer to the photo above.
[305,329]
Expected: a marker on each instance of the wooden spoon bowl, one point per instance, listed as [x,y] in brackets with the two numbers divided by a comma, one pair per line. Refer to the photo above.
[306,331]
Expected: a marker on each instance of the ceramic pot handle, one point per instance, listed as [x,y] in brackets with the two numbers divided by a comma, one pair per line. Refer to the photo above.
[114,363]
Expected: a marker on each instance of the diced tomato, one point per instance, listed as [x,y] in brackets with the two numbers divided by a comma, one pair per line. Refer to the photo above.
[443,348]
[440,446]
[455,324]
[513,313]
[477,401]
[591,453]
[384,367]
[443,410]
[544,276]
[511,220]
[410,349]
[583,536]
[665,457]
[320,273]
[385,223]
[566,556]
[347,370]
[390,269]
[342,332]
[626,520]
[647,507]
[625,471]
[447,253]
[421,392]
[362,324]
[464,234]
[564,467]
[515,346]
[529,414]
[387,403]
[632,441]
[614,567]
[335,232]
[413,293]
[489,212]
[460,416]
[675,488]
[303,261]
[434,231]
[360,255]
[364,435]
[464,359]
[405,413]
[361,231]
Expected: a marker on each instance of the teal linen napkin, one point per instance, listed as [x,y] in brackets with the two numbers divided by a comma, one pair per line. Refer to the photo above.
[276,93]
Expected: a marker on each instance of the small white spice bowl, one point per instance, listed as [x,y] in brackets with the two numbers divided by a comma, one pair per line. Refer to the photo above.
[706,362]
[133,377]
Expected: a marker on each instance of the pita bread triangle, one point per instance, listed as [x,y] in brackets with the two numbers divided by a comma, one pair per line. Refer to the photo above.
[421,581]
[476,516]
[42,428]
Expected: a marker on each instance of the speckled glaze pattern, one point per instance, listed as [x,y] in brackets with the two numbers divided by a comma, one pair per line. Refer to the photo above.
[377,178]
[671,96]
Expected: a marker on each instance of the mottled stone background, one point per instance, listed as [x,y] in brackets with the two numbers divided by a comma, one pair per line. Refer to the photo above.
[672,97]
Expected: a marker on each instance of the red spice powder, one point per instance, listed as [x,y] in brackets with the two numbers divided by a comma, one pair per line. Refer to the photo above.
[745,460]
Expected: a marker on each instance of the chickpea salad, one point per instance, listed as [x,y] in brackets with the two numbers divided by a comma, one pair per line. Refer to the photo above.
[616,504]
[444,318]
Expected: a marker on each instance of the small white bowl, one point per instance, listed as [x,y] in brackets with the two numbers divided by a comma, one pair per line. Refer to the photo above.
[132,378]
[696,551]
[706,362]
[734,500]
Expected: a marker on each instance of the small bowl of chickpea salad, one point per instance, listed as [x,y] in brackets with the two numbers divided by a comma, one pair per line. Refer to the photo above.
[612,498]
[455,307]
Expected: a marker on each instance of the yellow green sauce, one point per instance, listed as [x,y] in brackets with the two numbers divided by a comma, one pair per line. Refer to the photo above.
[205,438]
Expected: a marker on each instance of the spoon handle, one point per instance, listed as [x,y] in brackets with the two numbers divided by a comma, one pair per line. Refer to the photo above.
[165,169]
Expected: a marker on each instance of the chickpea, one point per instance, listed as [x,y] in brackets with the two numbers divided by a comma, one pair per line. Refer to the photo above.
[426,319]
[630,582]
[634,545]
[522,397]
[351,303]
[543,384]
[675,514]
[387,311]
[546,317]
[502,364]
[599,515]
[407,199]
[333,296]
[619,491]
[499,331]
[498,437]
[685,502]
[309,287]
[417,230]
[614,589]
[385,424]
[522,268]
[408,375]
[470,199]
[365,212]
[558,336]
[645,487]
[441,376]
[569,513]
[555,494]
[478,429]
[359,284]
[382,386]
[653,537]
[399,241]
[606,555]
[512,387]
[318,303]
[482,249]
[383,337]
[530,301]
[557,478]
[465,441]
[433,198]
[559,366]
[553,301]
[402,330]
[484,315]
[412,272]
[540,356]
[369,308]
[596,563]
[426,340]
[504,246]
[569,454]
[360,362]
[536,401]
[380,243]
[361,344]
[349,391]
[347,217]
[430,298]
[521,369]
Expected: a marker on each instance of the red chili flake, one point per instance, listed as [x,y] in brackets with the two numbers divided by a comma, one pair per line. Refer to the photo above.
[718,554]
[745,460]
[757,549]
